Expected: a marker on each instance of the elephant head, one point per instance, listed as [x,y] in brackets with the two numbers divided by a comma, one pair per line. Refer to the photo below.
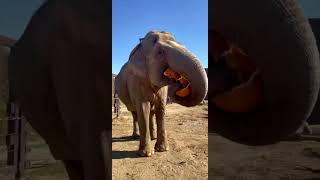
[159,52]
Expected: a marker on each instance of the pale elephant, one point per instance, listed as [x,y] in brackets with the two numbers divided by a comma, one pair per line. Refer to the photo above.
[152,121]
[144,82]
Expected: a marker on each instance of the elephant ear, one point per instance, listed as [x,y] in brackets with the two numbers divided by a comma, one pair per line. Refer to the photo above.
[137,63]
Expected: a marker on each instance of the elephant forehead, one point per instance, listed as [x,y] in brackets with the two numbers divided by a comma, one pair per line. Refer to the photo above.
[175,44]
[163,35]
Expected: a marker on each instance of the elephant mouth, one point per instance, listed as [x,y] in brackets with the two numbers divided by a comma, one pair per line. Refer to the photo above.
[185,87]
[247,93]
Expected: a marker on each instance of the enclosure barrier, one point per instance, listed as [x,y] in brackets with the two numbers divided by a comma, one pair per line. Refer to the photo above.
[116,105]
[16,142]
[16,136]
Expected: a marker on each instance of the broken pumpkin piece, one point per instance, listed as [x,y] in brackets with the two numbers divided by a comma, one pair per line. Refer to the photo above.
[184,92]
[172,74]
[183,81]
[239,61]
[246,96]
[242,98]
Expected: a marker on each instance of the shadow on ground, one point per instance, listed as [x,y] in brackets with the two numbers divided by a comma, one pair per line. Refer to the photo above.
[124,139]
[124,154]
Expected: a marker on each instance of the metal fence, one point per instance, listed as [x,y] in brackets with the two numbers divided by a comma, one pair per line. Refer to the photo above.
[16,135]
[17,139]
[15,142]
[14,132]
[116,106]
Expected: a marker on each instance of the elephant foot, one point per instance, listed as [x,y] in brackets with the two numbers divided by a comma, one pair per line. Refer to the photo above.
[145,152]
[294,137]
[74,169]
[135,135]
[161,146]
[307,131]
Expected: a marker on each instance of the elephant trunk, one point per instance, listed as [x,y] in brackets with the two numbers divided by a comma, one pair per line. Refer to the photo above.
[188,66]
[278,38]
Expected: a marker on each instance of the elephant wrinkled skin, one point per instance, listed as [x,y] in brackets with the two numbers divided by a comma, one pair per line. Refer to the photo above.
[57,73]
[277,37]
[143,87]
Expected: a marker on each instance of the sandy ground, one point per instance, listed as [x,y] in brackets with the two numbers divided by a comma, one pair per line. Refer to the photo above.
[187,158]
[188,155]
[188,142]
[283,161]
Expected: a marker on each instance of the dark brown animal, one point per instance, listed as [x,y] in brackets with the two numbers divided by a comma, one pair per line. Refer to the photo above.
[58,75]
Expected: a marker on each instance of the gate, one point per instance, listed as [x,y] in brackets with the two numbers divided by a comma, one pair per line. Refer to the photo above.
[116,106]
[14,133]
[16,141]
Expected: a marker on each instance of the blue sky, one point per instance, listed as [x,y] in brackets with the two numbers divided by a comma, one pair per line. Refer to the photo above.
[187,20]
[15,14]
[132,19]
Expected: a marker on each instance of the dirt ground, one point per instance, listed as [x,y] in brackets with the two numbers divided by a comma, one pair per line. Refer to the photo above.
[286,160]
[188,142]
[188,155]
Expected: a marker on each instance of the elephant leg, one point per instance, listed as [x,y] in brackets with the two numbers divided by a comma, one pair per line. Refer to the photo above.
[135,133]
[162,140]
[82,98]
[306,129]
[143,112]
[303,130]
[74,169]
[152,125]
[84,132]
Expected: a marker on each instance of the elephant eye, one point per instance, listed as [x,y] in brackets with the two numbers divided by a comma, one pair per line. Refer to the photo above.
[155,40]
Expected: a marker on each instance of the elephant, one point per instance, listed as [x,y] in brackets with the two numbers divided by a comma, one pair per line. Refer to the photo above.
[273,42]
[158,67]
[305,129]
[314,117]
[152,122]
[57,75]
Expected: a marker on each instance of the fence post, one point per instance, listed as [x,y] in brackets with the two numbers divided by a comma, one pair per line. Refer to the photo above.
[12,140]
[118,107]
[116,104]
[16,140]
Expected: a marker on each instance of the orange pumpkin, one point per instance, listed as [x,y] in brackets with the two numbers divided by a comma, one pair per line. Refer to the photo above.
[182,80]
